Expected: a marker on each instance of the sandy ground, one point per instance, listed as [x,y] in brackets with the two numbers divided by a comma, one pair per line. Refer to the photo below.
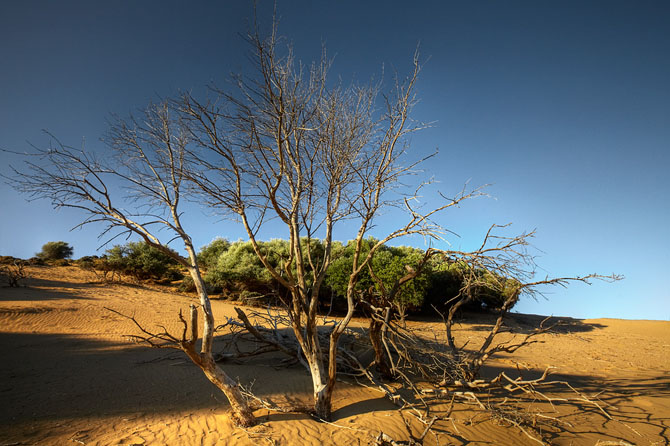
[70,376]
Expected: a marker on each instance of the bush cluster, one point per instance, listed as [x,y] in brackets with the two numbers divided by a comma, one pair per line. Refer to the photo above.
[138,260]
[234,271]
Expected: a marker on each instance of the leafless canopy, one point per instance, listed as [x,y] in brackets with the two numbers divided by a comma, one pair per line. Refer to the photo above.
[291,147]
[136,189]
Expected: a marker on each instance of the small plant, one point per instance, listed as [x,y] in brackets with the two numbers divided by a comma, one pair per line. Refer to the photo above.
[36,261]
[55,251]
[13,273]
[7,260]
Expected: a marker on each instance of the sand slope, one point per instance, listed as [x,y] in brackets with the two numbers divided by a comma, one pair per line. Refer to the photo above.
[69,376]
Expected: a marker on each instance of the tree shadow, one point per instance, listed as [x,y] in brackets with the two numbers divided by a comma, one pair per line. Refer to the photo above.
[625,401]
[527,323]
[629,402]
[362,407]
[37,289]
[59,376]
[53,377]
[28,294]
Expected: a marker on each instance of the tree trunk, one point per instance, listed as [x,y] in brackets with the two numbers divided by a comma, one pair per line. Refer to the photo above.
[322,393]
[381,358]
[322,402]
[323,389]
[242,413]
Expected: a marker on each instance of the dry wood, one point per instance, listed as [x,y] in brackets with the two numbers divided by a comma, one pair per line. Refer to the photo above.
[385,440]
[14,273]
[147,157]
[186,342]
[289,147]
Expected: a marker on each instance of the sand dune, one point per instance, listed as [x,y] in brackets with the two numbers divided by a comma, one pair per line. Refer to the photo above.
[69,376]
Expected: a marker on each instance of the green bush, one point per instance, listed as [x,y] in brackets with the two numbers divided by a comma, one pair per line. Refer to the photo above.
[143,262]
[55,251]
[389,264]
[446,280]
[241,264]
[209,254]
[87,262]
[187,285]
[234,270]
[252,299]
[444,283]
[239,268]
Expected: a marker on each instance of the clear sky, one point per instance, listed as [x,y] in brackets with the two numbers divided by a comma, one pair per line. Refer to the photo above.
[564,107]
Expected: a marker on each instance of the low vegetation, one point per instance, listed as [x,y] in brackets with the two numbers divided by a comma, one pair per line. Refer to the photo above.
[234,271]
[55,251]
[12,271]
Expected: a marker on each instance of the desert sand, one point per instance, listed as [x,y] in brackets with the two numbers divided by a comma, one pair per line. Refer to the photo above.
[69,375]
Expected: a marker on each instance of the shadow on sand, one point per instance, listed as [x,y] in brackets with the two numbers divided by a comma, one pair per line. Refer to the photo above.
[57,376]
[34,290]
[527,323]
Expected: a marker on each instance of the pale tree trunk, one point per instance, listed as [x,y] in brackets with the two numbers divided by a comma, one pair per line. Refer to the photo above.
[309,344]
[323,399]
[322,391]
[321,383]
[242,412]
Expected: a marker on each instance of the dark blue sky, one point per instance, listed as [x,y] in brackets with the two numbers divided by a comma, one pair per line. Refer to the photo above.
[564,107]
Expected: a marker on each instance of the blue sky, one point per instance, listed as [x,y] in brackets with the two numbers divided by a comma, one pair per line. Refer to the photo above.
[564,107]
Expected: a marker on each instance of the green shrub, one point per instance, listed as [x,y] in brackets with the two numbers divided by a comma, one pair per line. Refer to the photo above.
[239,268]
[142,261]
[252,299]
[446,280]
[209,254]
[444,283]
[234,270]
[389,264]
[187,285]
[55,251]
[87,262]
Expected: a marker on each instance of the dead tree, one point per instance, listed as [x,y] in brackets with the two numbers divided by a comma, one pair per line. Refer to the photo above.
[288,147]
[380,303]
[148,162]
[503,265]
